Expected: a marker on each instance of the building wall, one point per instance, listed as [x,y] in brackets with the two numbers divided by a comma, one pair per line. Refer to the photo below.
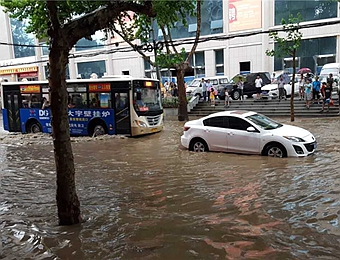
[236,50]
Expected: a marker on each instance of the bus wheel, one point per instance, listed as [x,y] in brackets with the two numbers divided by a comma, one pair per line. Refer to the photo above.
[34,127]
[98,130]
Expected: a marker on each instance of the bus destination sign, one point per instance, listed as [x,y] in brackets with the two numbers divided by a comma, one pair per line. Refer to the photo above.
[30,89]
[102,87]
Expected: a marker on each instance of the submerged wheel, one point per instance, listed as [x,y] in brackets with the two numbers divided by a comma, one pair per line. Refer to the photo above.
[98,130]
[34,127]
[275,150]
[198,145]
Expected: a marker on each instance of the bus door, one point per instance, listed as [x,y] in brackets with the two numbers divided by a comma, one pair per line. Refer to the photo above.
[122,111]
[12,102]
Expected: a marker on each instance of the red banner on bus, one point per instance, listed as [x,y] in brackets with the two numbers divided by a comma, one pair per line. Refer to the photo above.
[100,87]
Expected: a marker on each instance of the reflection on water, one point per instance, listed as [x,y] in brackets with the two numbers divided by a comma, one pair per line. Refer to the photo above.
[148,198]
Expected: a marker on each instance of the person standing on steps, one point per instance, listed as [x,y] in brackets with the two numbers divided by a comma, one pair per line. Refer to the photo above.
[316,90]
[301,88]
[204,90]
[326,93]
[281,87]
[308,92]
[240,88]
[258,85]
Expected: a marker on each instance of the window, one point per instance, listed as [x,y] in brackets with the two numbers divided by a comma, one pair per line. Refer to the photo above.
[20,36]
[309,10]
[77,96]
[218,121]
[238,123]
[86,69]
[97,42]
[219,62]
[100,100]
[308,49]
[198,63]
[212,22]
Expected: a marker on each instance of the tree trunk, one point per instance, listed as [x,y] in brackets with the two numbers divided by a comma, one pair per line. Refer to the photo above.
[182,106]
[67,199]
[293,88]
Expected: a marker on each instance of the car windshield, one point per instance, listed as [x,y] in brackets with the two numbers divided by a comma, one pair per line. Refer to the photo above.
[263,122]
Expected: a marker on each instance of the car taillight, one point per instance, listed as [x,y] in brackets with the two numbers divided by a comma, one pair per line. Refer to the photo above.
[186,128]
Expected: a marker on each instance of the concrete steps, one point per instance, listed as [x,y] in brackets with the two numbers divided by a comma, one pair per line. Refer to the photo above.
[271,108]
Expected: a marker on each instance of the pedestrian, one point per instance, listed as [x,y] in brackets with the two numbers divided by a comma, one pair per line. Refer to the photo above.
[308,92]
[203,85]
[212,96]
[326,93]
[281,87]
[330,81]
[240,87]
[273,78]
[316,90]
[209,87]
[301,87]
[258,85]
[226,98]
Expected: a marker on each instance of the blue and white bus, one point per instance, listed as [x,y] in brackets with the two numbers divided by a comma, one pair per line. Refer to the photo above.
[110,105]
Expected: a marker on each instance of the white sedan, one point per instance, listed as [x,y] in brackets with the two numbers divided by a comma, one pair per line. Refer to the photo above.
[272,91]
[248,133]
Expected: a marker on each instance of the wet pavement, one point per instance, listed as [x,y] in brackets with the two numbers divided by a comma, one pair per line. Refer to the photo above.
[148,198]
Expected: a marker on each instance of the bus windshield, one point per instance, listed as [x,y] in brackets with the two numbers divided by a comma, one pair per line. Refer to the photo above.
[147,99]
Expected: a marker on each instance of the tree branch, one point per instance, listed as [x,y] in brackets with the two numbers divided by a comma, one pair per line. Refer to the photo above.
[101,18]
[198,31]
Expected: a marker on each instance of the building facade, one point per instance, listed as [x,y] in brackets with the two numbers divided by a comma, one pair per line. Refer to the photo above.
[232,34]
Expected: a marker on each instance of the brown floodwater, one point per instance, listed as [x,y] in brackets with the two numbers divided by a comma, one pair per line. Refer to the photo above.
[148,198]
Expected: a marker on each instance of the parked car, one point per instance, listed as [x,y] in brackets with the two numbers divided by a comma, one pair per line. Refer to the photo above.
[195,88]
[249,88]
[271,91]
[246,132]
[231,86]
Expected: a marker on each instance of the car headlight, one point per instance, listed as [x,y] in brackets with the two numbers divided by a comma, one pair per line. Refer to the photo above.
[140,123]
[294,138]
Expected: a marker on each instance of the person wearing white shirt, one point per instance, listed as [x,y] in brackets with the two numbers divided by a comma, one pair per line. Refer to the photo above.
[258,85]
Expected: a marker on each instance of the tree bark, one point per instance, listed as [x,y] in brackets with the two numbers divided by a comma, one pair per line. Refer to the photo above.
[182,106]
[67,199]
[293,88]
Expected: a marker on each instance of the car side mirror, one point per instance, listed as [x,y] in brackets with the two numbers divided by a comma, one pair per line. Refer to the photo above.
[251,129]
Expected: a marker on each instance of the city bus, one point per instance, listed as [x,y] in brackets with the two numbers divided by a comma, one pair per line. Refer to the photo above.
[111,105]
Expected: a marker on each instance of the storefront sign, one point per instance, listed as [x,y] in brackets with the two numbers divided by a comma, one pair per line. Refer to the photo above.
[18,70]
[28,75]
[99,87]
[245,15]
[30,89]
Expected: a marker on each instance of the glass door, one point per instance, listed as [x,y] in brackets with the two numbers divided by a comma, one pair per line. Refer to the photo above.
[12,104]
[122,112]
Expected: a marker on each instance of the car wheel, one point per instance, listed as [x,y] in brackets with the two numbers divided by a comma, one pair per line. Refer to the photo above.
[34,127]
[235,95]
[275,150]
[198,145]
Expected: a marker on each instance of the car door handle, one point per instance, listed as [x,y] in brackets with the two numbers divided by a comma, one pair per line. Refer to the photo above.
[207,131]
[230,133]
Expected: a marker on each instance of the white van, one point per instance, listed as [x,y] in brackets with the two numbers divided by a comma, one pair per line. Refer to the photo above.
[333,68]
[195,88]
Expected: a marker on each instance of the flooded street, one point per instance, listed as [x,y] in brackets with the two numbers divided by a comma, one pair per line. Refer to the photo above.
[149,198]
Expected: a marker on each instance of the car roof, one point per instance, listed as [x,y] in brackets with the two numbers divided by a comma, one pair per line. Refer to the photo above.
[236,113]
